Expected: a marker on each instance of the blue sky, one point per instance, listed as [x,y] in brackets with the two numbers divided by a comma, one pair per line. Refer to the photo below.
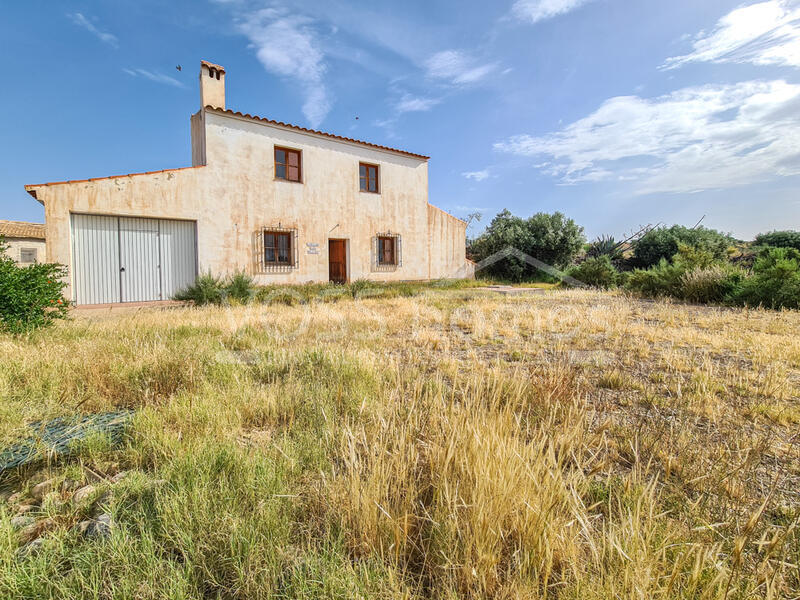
[618,113]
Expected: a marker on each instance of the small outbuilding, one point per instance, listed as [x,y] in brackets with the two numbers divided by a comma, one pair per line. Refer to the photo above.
[26,241]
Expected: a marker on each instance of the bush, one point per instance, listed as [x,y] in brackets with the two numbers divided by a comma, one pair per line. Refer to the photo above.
[596,272]
[30,296]
[207,289]
[779,239]
[710,284]
[665,278]
[663,243]
[660,280]
[240,288]
[775,282]
[550,238]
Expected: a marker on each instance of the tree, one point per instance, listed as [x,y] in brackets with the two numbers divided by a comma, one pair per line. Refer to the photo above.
[779,239]
[551,238]
[663,242]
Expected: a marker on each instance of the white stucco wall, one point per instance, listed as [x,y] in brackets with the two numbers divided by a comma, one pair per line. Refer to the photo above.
[235,194]
[15,246]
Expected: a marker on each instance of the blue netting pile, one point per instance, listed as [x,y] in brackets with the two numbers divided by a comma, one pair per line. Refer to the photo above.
[61,437]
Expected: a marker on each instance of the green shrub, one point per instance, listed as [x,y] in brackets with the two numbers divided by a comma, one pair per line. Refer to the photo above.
[710,284]
[658,281]
[779,239]
[663,243]
[623,277]
[551,238]
[775,282]
[596,272]
[666,278]
[207,289]
[31,296]
[240,288]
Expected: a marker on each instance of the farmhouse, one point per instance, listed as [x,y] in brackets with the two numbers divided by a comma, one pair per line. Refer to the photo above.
[283,203]
[25,241]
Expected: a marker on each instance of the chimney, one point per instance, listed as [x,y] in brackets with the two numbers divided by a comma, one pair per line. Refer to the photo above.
[212,85]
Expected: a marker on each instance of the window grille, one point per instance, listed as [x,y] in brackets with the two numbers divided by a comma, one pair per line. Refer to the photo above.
[381,260]
[270,251]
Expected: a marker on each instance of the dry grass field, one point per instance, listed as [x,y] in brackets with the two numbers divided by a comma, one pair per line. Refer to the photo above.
[454,444]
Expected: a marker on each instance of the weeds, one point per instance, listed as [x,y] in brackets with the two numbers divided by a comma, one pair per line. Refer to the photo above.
[413,460]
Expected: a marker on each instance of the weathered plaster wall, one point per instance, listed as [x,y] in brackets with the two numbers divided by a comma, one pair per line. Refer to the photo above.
[236,194]
[446,246]
[327,204]
[172,194]
[15,246]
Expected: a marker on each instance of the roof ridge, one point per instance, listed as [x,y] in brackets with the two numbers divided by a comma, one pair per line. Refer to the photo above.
[314,131]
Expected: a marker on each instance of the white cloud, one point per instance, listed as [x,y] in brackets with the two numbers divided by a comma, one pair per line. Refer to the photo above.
[286,44]
[409,103]
[693,139]
[81,21]
[457,67]
[540,10]
[767,33]
[477,175]
[153,76]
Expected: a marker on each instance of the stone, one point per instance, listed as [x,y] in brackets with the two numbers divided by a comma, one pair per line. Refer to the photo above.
[35,529]
[40,490]
[31,547]
[119,476]
[22,521]
[82,494]
[100,527]
[14,498]
[83,527]
[25,508]
[30,532]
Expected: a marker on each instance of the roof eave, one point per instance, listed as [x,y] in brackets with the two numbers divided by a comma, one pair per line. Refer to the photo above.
[316,132]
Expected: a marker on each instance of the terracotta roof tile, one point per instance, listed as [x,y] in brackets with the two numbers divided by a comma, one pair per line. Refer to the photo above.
[21,229]
[314,131]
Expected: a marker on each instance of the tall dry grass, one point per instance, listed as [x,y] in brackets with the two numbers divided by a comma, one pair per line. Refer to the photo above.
[449,445]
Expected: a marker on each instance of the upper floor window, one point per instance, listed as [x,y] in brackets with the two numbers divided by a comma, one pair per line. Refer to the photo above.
[368,177]
[287,164]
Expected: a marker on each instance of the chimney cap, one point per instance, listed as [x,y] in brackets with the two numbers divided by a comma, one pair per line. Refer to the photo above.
[211,65]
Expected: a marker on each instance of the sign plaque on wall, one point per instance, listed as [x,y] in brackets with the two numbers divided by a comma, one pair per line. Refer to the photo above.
[312,248]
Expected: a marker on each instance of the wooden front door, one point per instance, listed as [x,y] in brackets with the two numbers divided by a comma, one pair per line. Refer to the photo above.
[337,261]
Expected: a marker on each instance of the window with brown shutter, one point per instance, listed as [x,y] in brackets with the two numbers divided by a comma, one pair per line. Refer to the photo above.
[387,254]
[368,178]
[287,164]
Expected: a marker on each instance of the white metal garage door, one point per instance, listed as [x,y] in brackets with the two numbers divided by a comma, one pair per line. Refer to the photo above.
[126,259]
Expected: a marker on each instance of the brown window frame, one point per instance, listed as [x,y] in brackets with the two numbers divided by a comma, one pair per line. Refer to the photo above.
[289,262]
[382,241]
[287,164]
[364,180]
